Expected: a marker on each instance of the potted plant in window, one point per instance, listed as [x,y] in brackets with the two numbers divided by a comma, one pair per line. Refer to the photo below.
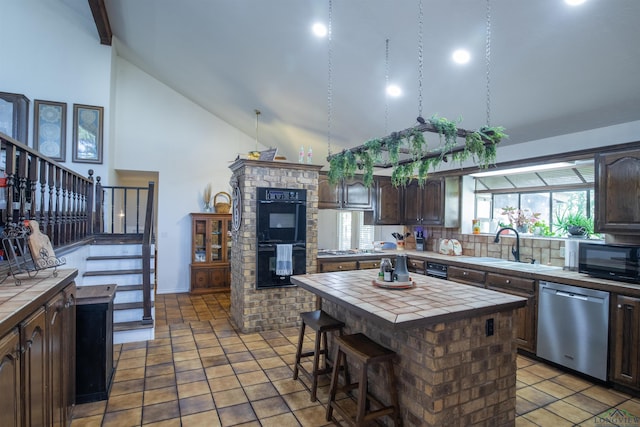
[520,219]
[576,224]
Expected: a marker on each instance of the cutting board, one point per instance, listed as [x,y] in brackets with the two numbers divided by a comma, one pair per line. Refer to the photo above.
[40,246]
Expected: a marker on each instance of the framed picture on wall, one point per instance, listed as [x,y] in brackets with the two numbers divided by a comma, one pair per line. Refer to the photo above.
[87,133]
[14,119]
[50,129]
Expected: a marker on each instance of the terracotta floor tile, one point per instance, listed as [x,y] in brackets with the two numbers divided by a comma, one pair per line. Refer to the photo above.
[93,421]
[160,395]
[195,404]
[173,422]
[282,420]
[553,388]
[260,391]
[251,378]
[193,389]
[191,376]
[201,419]
[312,417]
[586,403]
[605,395]
[569,412]
[129,417]
[233,415]
[536,396]
[234,396]
[124,401]
[160,412]
[162,369]
[89,409]
[543,417]
[224,383]
[572,382]
[160,381]
[269,407]
[299,400]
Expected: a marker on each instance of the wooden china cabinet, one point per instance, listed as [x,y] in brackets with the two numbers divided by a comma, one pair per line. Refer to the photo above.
[210,252]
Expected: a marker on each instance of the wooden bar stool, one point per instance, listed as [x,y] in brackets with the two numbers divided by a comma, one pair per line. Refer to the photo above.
[321,323]
[364,352]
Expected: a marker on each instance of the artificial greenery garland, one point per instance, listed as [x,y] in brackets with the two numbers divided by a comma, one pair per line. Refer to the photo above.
[479,145]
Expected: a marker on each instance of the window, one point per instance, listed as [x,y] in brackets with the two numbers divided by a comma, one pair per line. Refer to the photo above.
[352,233]
[551,205]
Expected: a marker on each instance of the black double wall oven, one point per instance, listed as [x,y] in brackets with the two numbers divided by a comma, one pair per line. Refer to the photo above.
[281,228]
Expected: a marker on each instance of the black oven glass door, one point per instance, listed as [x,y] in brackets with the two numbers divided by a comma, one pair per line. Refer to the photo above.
[266,276]
[282,221]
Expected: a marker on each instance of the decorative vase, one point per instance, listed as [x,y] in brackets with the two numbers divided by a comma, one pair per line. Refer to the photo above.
[522,229]
[207,207]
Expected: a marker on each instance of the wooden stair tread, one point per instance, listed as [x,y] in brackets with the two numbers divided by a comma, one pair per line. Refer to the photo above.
[133,325]
[114,257]
[129,305]
[124,288]
[114,272]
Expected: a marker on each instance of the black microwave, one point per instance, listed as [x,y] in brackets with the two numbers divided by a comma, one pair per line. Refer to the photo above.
[615,262]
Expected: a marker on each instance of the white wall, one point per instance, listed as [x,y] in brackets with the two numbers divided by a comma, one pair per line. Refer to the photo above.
[157,129]
[49,53]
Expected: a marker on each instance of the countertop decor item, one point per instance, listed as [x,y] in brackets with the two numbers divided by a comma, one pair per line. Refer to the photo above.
[222,207]
[206,198]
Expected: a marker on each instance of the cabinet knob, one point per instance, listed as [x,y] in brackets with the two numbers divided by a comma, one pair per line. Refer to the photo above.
[340,267]
[507,281]
[465,273]
[619,305]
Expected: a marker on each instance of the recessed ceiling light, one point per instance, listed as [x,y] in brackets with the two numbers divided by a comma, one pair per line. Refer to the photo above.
[461,56]
[319,29]
[574,2]
[394,90]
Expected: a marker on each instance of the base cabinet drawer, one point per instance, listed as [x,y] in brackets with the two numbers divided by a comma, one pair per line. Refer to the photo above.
[416,265]
[466,276]
[329,266]
[510,282]
[367,264]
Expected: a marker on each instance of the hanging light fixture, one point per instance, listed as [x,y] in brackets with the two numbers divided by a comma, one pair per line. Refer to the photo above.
[408,150]
[329,77]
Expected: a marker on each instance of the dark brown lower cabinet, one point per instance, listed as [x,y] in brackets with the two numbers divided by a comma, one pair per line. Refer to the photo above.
[36,366]
[625,330]
[10,383]
[34,360]
[525,318]
[61,357]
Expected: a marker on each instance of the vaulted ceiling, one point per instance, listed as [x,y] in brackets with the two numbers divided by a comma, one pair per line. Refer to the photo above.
[553,68]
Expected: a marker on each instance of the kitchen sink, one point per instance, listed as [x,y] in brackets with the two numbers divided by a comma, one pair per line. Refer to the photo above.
[484,260]
[511,265]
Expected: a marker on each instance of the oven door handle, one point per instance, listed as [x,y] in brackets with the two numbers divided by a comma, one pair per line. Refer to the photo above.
[273,245]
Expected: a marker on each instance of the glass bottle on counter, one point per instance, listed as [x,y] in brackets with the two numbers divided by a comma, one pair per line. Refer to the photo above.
[387,270]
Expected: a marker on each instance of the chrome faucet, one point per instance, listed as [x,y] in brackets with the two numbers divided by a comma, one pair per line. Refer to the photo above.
[515,251]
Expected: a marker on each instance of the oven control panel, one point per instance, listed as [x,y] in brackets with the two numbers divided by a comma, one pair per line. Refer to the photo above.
[281,194]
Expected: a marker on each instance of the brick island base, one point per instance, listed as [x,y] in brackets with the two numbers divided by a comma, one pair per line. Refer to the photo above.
[448,374]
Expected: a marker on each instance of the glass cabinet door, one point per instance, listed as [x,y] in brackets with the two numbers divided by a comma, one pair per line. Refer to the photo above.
[216,240]
[200,240]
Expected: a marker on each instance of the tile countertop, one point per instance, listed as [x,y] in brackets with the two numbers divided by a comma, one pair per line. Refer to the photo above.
[431,301]
[18,302]
[501,266]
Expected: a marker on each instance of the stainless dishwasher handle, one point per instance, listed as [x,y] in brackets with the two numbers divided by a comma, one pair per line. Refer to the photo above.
[568,295]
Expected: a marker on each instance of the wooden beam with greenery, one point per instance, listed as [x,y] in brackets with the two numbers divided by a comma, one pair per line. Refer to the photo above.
[417,159]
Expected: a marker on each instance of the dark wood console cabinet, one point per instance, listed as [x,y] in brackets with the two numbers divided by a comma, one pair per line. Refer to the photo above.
[210,252]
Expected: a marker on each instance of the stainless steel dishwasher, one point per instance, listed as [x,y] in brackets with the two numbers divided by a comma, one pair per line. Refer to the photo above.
[573,327]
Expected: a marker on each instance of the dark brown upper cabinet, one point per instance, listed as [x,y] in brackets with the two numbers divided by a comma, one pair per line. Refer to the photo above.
[617,189]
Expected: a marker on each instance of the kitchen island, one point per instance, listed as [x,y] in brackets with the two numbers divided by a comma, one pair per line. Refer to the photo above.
[456,360]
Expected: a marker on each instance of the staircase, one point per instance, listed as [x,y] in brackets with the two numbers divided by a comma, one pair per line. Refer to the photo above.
[118,261]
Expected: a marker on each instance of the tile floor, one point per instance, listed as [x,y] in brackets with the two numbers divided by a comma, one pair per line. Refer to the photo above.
[199,371]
